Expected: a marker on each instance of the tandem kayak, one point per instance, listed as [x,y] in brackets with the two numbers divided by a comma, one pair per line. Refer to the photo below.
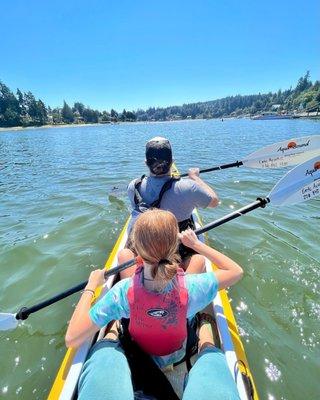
[65,384]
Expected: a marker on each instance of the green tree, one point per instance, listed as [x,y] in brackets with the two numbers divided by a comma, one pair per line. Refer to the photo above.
[78,107]
[31,107]
[22,105]
[67,114]
[56,116]
[114,115]
[90,116]
[303,83]
[130,116]
[42,115]
[123,116]
[9,107]
[317,97]
[105,117]
[312,105]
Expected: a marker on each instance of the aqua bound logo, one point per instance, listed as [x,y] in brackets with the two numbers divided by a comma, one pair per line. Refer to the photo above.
[316,167]
[157,312]
[293,145]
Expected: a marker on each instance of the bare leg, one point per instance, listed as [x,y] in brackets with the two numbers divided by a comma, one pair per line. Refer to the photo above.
[194,264]
[123,256]
[113,331]
[208,332]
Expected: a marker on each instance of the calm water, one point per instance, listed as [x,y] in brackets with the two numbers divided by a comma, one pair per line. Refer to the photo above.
[60,216]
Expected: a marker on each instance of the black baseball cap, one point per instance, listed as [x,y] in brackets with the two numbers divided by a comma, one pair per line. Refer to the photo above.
[159,155]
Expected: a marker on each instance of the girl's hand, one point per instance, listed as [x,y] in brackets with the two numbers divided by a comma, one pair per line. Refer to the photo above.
[96,279]
[189,238]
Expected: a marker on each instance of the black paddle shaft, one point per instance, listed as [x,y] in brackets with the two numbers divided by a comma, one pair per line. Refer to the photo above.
[241,211]
[223,166]
[24,312]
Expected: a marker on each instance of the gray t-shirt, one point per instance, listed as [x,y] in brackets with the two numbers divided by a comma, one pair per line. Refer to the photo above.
[183,196]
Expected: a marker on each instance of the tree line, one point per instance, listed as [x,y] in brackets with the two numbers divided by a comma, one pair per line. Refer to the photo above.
[23,109]
[305,97]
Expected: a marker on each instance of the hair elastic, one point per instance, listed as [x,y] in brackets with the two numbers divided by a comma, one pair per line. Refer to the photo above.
[164,261]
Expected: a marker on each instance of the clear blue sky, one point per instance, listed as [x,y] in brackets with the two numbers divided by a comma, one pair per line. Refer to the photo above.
[140,53]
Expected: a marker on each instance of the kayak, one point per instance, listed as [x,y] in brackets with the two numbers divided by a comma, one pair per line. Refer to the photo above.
[65,384]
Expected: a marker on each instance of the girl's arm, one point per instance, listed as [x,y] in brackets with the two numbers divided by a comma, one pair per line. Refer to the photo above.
[80,326]
[228,273]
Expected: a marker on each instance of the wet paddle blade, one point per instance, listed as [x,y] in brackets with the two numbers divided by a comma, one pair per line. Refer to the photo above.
[286,153]
[300,184]
[8,322]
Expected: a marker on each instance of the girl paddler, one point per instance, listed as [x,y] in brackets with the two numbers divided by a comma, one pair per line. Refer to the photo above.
[158,299]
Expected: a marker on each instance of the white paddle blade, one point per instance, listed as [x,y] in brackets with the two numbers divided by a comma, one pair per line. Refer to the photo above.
[286,153]
[300,184]
[8,322]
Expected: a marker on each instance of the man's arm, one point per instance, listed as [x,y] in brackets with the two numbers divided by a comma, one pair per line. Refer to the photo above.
[130,193]
[193,174]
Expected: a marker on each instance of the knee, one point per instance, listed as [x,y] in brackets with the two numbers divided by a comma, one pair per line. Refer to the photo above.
[104,356]
[106,351]
[202,263]
[125,255]
[197,264]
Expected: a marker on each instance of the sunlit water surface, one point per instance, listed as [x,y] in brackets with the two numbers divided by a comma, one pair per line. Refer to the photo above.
[63,204]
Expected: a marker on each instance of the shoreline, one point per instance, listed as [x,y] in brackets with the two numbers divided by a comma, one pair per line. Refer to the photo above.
[21,128]
[49,126]
[54,126]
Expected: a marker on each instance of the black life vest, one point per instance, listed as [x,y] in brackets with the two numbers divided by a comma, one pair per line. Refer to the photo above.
[142,206]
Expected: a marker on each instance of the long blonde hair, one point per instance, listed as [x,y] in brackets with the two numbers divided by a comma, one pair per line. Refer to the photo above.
[155,238]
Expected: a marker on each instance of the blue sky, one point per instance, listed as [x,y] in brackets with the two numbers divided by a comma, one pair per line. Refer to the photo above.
[134,54]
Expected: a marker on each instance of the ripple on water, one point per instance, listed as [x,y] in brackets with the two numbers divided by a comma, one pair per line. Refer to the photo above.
[4,390]
[272,371]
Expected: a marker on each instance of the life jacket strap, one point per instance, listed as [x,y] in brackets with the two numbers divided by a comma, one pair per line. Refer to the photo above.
[138,200]
[187,223]
[137,195]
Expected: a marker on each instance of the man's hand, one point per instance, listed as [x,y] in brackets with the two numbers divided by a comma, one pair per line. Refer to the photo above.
[193,173]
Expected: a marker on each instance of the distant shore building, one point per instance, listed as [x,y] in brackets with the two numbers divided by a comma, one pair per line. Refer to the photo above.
[77,118]
[275,107]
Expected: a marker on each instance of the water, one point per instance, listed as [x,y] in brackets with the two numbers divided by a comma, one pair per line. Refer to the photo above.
[63,204]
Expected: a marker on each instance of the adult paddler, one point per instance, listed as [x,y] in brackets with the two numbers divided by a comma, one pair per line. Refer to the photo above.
[160,190]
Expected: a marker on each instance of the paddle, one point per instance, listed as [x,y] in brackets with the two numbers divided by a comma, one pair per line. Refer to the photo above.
[299,184]
[10,321]
[277,155]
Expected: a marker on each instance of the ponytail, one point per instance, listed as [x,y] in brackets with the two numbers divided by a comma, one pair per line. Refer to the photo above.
[166,270]
[155,238]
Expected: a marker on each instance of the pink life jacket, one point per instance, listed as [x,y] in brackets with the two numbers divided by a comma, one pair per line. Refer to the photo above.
[158,321]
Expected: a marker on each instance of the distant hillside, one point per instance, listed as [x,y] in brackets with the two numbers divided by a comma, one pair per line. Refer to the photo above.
[304,97]
[23,109]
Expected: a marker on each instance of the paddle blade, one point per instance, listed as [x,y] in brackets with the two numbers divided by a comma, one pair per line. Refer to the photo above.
[8,321]
[300,184]
[286,153]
